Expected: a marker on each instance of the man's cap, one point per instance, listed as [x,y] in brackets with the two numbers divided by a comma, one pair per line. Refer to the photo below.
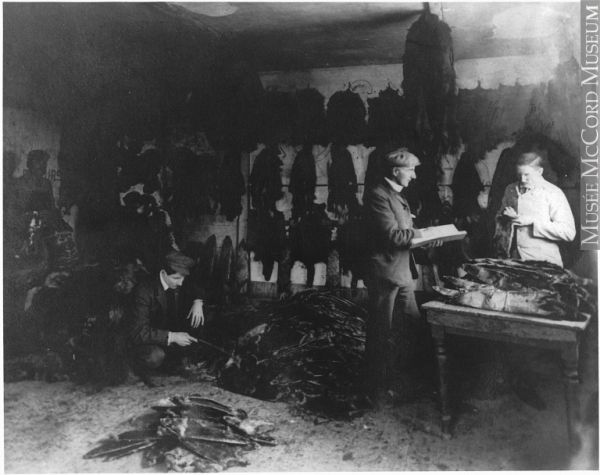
[401,158]
[179,262]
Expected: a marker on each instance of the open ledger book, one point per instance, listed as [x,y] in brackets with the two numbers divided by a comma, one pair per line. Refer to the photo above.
[446,233]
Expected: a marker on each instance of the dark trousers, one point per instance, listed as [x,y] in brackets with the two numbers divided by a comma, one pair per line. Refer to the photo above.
[393,319]
[148,356]
[152,356]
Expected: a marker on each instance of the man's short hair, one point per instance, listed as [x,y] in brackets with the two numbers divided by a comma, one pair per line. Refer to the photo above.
[176,261]
[532,159]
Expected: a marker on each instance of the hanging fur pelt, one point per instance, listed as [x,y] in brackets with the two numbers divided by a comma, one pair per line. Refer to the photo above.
[265,179]
[342,182]
[310,238]
[387,118]
[346,117]
[310,119]
[352,241]
[302,181]
[266,237]
[430,83]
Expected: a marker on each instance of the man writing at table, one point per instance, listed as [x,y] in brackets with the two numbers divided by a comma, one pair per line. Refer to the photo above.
[534,216]
[391,271]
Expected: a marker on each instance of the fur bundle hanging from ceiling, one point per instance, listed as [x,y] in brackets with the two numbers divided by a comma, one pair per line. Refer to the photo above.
[430,83]
[346,114]
[310,118]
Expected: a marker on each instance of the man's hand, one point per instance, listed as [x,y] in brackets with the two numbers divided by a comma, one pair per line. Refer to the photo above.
[181,338]
[436,243]
[196,314]
[510,212]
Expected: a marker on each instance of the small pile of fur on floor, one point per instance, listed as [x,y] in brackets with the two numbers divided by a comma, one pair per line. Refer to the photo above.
[189,434]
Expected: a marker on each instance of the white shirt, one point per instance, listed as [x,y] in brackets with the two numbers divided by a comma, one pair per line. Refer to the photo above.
[552,220]
[165,287]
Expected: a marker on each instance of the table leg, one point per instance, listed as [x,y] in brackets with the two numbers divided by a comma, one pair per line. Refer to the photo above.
[439,336]
[570,361]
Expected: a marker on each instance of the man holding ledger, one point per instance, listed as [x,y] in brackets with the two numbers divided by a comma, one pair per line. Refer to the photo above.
[391,272]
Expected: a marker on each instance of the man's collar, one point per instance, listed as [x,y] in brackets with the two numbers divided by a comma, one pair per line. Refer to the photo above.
[165,286]
[395,186]
[531,186]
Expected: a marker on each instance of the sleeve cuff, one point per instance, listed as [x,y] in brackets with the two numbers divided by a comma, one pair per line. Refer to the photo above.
[168,338]
[538,229]
[411,235]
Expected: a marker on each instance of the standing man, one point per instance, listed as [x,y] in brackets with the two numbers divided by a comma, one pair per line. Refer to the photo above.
[391,271]
[157,326]
[534,216]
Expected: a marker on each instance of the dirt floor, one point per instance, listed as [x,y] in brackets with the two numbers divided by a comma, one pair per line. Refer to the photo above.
[49,426]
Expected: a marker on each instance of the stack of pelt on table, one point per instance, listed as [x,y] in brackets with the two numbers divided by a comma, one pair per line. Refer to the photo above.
[523,287]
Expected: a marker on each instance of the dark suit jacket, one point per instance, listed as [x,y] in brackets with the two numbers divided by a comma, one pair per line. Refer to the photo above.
[151,319]
[390,231]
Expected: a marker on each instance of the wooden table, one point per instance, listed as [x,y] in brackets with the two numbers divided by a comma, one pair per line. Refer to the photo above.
[560,335]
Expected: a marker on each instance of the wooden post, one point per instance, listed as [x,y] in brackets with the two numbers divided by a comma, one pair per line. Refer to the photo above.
[439,337]
[570,359]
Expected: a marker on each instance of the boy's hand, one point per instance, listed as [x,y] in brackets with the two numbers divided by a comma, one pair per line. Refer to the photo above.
[181,338]
[196,314]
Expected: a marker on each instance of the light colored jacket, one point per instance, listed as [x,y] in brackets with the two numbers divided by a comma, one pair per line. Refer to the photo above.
[552,222]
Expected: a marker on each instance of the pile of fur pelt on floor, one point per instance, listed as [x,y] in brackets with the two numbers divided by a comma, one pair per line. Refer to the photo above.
[308,351]
[70,326]
[189,434]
